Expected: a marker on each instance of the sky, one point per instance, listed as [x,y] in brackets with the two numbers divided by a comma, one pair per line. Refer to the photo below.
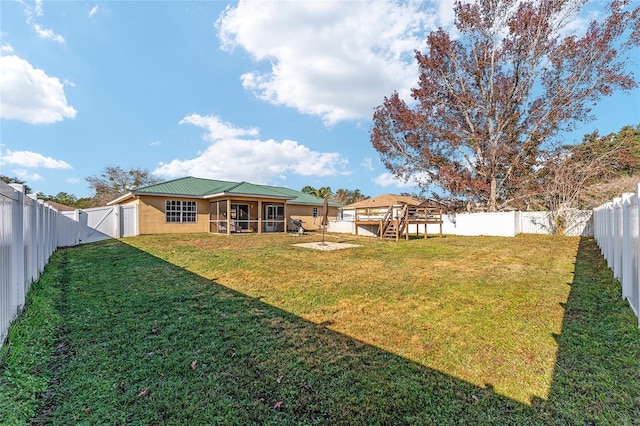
[268,92]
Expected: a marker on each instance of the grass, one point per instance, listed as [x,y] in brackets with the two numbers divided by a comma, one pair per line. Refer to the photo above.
[24,375]
[208,329]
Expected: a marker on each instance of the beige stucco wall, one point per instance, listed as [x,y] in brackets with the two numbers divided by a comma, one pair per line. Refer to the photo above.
[152,219]
[305,213]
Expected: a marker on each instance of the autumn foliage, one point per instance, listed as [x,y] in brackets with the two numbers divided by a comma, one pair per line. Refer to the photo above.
[495,94]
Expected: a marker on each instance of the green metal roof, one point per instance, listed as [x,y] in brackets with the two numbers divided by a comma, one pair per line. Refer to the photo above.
[202,188]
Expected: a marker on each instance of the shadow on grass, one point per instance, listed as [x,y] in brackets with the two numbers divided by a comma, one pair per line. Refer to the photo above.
[147,342]
[597,374]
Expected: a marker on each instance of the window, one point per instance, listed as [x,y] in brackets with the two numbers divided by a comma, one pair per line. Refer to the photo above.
[315,212]
[180,211]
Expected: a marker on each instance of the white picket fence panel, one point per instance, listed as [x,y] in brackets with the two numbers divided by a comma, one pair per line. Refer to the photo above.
[616,230]
[31,230]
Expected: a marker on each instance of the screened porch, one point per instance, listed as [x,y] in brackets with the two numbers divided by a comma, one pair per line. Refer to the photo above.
[246,216]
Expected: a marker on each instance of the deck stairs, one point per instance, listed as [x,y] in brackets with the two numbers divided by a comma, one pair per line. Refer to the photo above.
[392,228]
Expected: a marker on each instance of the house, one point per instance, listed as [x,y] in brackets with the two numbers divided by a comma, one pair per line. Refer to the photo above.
[190,205]
[390,215]
[60,207]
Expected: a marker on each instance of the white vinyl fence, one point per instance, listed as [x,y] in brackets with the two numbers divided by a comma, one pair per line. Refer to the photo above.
[499,224]
[31,230]
[27,240]
[616,226]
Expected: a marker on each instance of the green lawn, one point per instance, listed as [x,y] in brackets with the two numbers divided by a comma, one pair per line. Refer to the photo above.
[208,329]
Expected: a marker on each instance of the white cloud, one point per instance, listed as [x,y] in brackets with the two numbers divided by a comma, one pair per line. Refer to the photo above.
[217,129]
[367,163]
[6,48]
[39,10]
[93,10]
[28,94]
[47,33]
[155,143]
[32,159]
[232,156]
[35,11]
[334,59]
[24,175]
[387,179]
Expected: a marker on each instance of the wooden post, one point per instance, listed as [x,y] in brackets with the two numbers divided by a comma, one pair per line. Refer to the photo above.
[426,219]
[228,216]
[285,219]
[406,223]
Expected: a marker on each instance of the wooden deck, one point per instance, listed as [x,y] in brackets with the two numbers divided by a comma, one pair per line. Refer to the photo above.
[394,222]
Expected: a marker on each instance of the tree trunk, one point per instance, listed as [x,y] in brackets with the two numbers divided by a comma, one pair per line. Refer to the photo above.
[492,205]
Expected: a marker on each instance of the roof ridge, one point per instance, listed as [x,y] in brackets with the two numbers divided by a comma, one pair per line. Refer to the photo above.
[161,183]
[236,184]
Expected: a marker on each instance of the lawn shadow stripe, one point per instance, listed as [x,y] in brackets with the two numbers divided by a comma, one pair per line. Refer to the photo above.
[152,343]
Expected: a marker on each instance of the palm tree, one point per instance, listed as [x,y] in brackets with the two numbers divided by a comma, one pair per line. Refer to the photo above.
[323,192]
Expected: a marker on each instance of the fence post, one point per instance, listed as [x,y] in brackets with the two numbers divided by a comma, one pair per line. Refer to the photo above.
[635,284]
[617,238]
[629,235]
[17,247]
[33,237]
[117,212]
[78,235]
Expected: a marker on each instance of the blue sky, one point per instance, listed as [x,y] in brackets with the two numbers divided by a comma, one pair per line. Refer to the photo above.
[278,93]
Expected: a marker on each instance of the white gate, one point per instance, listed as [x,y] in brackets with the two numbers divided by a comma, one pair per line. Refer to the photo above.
[102,223]
[128,221]
[98,224]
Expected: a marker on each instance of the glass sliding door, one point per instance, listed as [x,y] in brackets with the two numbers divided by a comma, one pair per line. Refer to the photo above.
[274,218]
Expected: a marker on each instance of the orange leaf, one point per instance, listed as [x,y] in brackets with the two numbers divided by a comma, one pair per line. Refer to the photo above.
[277,405]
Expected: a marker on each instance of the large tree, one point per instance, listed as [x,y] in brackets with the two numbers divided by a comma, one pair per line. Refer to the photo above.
[115,181]
[495,93]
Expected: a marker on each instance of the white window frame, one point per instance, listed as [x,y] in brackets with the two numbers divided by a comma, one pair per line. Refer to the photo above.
[179,211]
[315,212]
